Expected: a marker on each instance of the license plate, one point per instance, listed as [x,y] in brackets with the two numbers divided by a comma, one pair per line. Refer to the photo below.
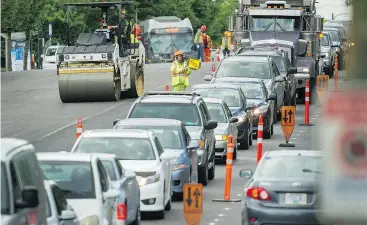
[295,199]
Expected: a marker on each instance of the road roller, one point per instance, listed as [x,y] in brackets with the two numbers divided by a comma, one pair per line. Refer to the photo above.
[105,64]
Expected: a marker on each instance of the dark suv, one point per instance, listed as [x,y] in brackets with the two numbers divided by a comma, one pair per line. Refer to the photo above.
[192,111]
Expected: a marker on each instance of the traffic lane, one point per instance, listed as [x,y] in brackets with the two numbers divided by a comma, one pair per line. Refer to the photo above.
[221,213]
[31,107]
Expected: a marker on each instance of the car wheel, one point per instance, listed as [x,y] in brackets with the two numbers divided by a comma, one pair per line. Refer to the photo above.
[250,138]
[160,214]
[235,151]
[275,113]
[168,206]
[267,133]
[246,144]
[212,170]
[272,129]
[137,217]
[203,174]
[301,95]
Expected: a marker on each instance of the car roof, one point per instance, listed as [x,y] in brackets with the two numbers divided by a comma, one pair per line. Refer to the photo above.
[170,98]
[260,52]
[64,156]
[330,28]
[150,122]
[136,133]
[237,80]
[253,58]
[294,153]
[216,85]
[214,100]
[10,144]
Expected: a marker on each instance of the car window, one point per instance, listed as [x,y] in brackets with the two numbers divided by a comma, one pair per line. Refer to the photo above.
[60,200]
[280,63]
[254,69]
[74,178]
[124,148]
[5,201]
[187,113]
[275,70]
[186,135]
[217,112]
[325,40]
[103,179]
[22,161]
[15,184]
[334,35]
[227,110]
[230,96]
[48,208]
[168,136]
[252,90]
[288,167]
[108,165]
[119,167]
[243,97]
[206,113]
[158,146]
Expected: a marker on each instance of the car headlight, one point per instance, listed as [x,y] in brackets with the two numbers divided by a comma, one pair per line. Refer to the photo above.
[90,220]
[260,110]
[178,166]
[221,137]
[303,70]
[149,180]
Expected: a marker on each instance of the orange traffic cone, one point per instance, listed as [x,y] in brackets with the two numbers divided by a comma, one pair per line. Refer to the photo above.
[79,127]
[166,88]
[218,55]
[213,69]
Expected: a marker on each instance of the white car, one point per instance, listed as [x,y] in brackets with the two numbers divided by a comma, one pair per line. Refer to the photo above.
[141,152]
[125,181]
[86,184]
[59,212]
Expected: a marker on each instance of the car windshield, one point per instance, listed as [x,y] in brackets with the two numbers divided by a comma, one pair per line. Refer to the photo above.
[248,68]
[75,178]
[253,90]
[334,35]
[280,63]
[273,23]
[216,112]
[187,113]
[289,167]
[48,208]
[325,41]
[169,137]
[125,148]
[230,96]
[108,165]
[5,201]
[167,43]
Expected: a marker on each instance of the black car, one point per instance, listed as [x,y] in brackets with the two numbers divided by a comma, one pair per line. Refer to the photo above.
[258,99]
[192,111]
[233,96]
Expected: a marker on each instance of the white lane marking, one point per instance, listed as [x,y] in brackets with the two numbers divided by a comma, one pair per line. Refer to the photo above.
[294,138]
[227,209]
[211,223]
[216,220]
[246,158]
[221,215]
[239,194]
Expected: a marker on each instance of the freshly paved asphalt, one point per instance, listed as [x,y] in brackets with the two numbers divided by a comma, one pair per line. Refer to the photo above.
[32,110]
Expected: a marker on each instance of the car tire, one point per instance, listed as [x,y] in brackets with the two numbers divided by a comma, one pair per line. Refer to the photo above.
[137,218]
[168,205]
[160,214]
[211,173]
[272,129]
[235,151]
[246,144]
[275,113]
[301,95]
[203,175]
[250,138]
[267,133]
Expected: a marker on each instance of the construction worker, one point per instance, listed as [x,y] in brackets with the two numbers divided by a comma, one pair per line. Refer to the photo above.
[226,44]
[198,40]
[180,72]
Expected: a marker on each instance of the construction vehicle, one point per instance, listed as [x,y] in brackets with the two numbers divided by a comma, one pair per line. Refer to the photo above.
[164,35]
[292,26]
[105,64]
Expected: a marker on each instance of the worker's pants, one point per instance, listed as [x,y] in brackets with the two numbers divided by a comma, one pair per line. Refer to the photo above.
[226,52]
[200,51]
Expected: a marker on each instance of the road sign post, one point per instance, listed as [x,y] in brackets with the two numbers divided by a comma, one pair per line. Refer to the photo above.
[193,203]
[288,121]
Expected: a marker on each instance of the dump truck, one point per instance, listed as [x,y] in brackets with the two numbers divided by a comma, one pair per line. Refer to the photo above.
[104,64]
[292,26]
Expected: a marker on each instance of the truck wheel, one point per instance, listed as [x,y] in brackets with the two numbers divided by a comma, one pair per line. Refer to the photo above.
[137,82]
[211,173]
[203,174]
[301,95]
[294,100]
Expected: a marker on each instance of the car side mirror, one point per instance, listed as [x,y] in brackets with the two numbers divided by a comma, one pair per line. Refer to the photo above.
[67,215]
[233,120]
[115,122]
[29,198]
[323,56]
[111,193]
[210,125]
[166,157]
[272,97]
[208,77]
[292,70]
[193,147]
[246,173]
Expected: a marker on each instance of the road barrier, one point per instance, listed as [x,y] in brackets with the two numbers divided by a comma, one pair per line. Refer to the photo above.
[228,179]
[79,127]
[193,203]
[166,88]
[307,101]
[288,120]
[213,69]
[260,128]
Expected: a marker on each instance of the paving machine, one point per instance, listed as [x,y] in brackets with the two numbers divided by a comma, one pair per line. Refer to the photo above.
[104,64]
[292,26]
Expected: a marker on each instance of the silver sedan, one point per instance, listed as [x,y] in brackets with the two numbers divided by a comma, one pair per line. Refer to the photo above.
[219,112]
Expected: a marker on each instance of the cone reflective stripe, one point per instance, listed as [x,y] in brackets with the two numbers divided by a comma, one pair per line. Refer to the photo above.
[307,102]
[213,69]
[229,162]
[260,129]
[79,127]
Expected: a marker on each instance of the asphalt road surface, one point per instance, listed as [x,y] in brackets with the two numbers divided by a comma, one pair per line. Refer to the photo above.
[32,110]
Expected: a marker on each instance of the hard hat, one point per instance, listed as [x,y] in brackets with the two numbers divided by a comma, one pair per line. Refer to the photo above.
[203,28]
[123,11]
[229,34]
[179,53]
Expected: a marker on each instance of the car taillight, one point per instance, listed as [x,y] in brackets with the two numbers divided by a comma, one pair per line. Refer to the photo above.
[258,193]
[121,212]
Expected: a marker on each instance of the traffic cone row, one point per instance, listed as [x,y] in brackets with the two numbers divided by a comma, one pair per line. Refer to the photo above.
[213,69]
[79,127]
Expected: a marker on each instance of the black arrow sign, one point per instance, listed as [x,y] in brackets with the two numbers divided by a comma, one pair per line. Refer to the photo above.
[285,116]
[290,113]
[188,200]
[197,194]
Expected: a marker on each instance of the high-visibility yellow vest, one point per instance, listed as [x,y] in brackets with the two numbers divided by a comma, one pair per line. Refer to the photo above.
[224,43]
[199,35]
[180,72]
